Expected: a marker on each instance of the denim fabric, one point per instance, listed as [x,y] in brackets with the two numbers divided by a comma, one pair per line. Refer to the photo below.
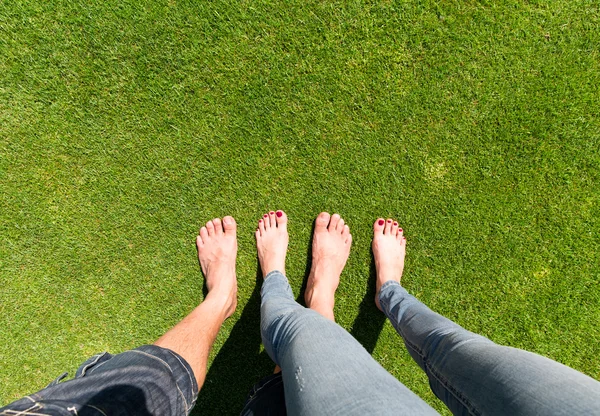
[148,380]
[325,370]
[473,375]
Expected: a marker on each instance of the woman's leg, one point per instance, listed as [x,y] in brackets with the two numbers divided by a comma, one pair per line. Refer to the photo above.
[325,370]
[469,373]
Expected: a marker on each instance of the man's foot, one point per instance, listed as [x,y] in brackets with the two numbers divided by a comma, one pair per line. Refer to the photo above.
[389,249]
[272,241]
[330,250]
[217,251]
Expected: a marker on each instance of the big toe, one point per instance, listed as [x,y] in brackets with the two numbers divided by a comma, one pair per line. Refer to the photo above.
[379,226]
[322,221]
[282,218]
[229,225]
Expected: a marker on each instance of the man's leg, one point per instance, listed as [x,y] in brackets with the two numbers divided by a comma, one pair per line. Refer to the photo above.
[469,373]
[193,337]
[153,379]
[325,370]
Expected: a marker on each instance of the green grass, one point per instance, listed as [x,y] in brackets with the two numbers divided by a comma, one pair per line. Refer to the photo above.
[125,125]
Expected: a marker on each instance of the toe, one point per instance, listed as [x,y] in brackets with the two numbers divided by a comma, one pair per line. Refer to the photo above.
[379,226]
[348,239]
[395,228]
[210,228]
[333,222]
[322,221]
[257,234]
[281,219]
[261,226]
[199,241]
[218,226]
[272,219]
[346,231]
[388,226]
[400,233]
[229,225]
[266,221]
[340,226]
[203,233]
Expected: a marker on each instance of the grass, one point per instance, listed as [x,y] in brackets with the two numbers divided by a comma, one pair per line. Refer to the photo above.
[125,125]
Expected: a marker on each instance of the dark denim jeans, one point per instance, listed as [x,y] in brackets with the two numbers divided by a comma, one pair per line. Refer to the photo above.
[148,380]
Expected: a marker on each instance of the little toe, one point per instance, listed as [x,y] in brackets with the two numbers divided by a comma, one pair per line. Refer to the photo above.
[400,233]
[203,234]
[218,226]
[229,225]
[333,222]
[348,238]
[322,221]
[282,219]
[261,226]
[378,227]
[199,241]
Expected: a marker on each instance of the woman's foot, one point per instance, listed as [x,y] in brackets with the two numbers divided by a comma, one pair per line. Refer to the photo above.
[330,250]
[272,242]
[217,251]
[389,249]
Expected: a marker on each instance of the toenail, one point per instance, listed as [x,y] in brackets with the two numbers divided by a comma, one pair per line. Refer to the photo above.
[381,222]
[279,213]
[272,212]
[400,229]
[259,220]
[389,220]
[395,223]
[265,215]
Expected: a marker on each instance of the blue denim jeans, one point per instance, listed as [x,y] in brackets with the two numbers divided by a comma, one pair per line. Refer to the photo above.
[148,380]
[326,371]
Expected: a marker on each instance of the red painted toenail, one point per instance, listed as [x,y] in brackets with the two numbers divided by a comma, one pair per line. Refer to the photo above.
[265,215]
[272,212]
[389,220]
[400,229]
[395,223]
[279,213]
[259,220]
[381,222]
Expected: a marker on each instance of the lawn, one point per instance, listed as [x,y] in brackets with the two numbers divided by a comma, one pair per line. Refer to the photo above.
[124,125]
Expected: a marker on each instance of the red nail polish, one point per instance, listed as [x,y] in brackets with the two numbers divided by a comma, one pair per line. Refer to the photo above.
[389,220]
[265,215]
[395,223]
[400,229]
[272,212]
[279,213]
[381,222]
[259,220]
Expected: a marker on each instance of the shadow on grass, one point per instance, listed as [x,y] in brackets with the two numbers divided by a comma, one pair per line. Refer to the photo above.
[370,320]
[238,365]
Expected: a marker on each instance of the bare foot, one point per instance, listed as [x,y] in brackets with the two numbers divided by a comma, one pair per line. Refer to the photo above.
[330,250]
[389,249]
[272,242]
[217,251]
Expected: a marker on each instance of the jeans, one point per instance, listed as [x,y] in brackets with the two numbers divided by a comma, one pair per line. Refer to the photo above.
[326,371]
[148,380]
